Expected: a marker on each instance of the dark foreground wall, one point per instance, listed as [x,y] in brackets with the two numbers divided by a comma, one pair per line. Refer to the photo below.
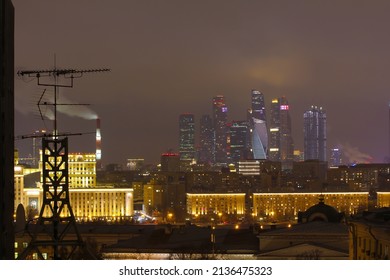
[6,129]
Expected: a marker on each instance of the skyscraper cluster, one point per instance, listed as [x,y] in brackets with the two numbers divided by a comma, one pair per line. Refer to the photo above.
[259,137]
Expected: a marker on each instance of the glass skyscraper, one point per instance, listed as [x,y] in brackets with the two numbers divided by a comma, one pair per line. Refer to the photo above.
[315,133]
[281,146]
[258,126]
[220,129]
[187,136]
[206,147]
[238,141]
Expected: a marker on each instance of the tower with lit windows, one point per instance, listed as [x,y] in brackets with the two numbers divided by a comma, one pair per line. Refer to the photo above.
[187,136]
[220,129]
[315,133]
[206,139]
[238,148]
[281,146]
[258,126]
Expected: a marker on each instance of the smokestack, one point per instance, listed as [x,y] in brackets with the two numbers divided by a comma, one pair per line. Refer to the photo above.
[98,145]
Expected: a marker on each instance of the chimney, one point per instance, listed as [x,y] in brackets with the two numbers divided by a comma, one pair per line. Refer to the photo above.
[98,146]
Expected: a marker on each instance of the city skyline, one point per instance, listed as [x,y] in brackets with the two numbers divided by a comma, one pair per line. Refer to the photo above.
[169,58]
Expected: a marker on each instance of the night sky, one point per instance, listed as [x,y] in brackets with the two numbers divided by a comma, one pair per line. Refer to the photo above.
[171,57]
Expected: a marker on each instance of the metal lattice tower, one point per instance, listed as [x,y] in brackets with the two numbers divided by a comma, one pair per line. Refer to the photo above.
[56,225]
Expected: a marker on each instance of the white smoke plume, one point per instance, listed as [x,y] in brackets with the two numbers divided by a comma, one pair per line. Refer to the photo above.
[81,111]
[354,155]
[28,96]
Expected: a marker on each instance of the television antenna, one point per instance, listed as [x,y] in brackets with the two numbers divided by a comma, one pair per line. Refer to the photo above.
[56,214]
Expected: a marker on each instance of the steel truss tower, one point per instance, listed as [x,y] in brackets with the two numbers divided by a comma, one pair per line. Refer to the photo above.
[56,225]
[56,209]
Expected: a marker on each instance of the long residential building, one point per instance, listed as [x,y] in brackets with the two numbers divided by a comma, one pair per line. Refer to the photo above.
[286,206]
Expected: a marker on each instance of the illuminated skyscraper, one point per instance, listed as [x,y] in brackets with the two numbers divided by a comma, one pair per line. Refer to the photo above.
[315,133]
[219,122]
[335,157]
[238,139]
[258,126]
[281,146]
[258,105]
[274,131]
[259,139]
[206,146]
[187,136]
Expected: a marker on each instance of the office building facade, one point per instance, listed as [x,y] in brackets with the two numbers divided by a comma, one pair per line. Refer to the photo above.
[314,128]
[238,141]
[219,122]
[258,126]
[206,140]
[187,136]
[281,146]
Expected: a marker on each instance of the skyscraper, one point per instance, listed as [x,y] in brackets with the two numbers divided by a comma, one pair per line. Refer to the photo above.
[259,139]
[258,105]
[314,128]
[335,157]
[258,126]
[206,137]
[187,136]
[281,146]
[238,139]
[286,141]
[6,130]
[274,131]
[219,123]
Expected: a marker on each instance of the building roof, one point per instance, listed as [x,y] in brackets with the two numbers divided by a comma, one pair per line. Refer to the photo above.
[314,228]
[320,212]
[189,238]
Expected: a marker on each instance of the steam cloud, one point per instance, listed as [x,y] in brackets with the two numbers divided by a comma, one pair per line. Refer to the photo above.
[353,154]
[25,103]
[81,111]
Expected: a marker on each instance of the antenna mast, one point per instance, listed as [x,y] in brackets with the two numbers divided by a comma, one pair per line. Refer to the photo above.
[56,216]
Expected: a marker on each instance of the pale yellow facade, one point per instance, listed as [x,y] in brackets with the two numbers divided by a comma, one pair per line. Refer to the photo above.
[383,199]
[153,195]
[82,170]
[215,203]
[89,204]
[18,186]
[285,206]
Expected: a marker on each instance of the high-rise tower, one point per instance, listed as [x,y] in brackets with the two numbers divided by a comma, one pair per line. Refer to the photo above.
[98,145]
[258,105]
[238,141]
[281,143]
[315,133]
[206,147]
[6,130]
[335,157]
[187,136]
[258,126]
[219,122]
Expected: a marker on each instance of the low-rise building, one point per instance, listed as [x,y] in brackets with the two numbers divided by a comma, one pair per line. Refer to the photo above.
[369,235]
